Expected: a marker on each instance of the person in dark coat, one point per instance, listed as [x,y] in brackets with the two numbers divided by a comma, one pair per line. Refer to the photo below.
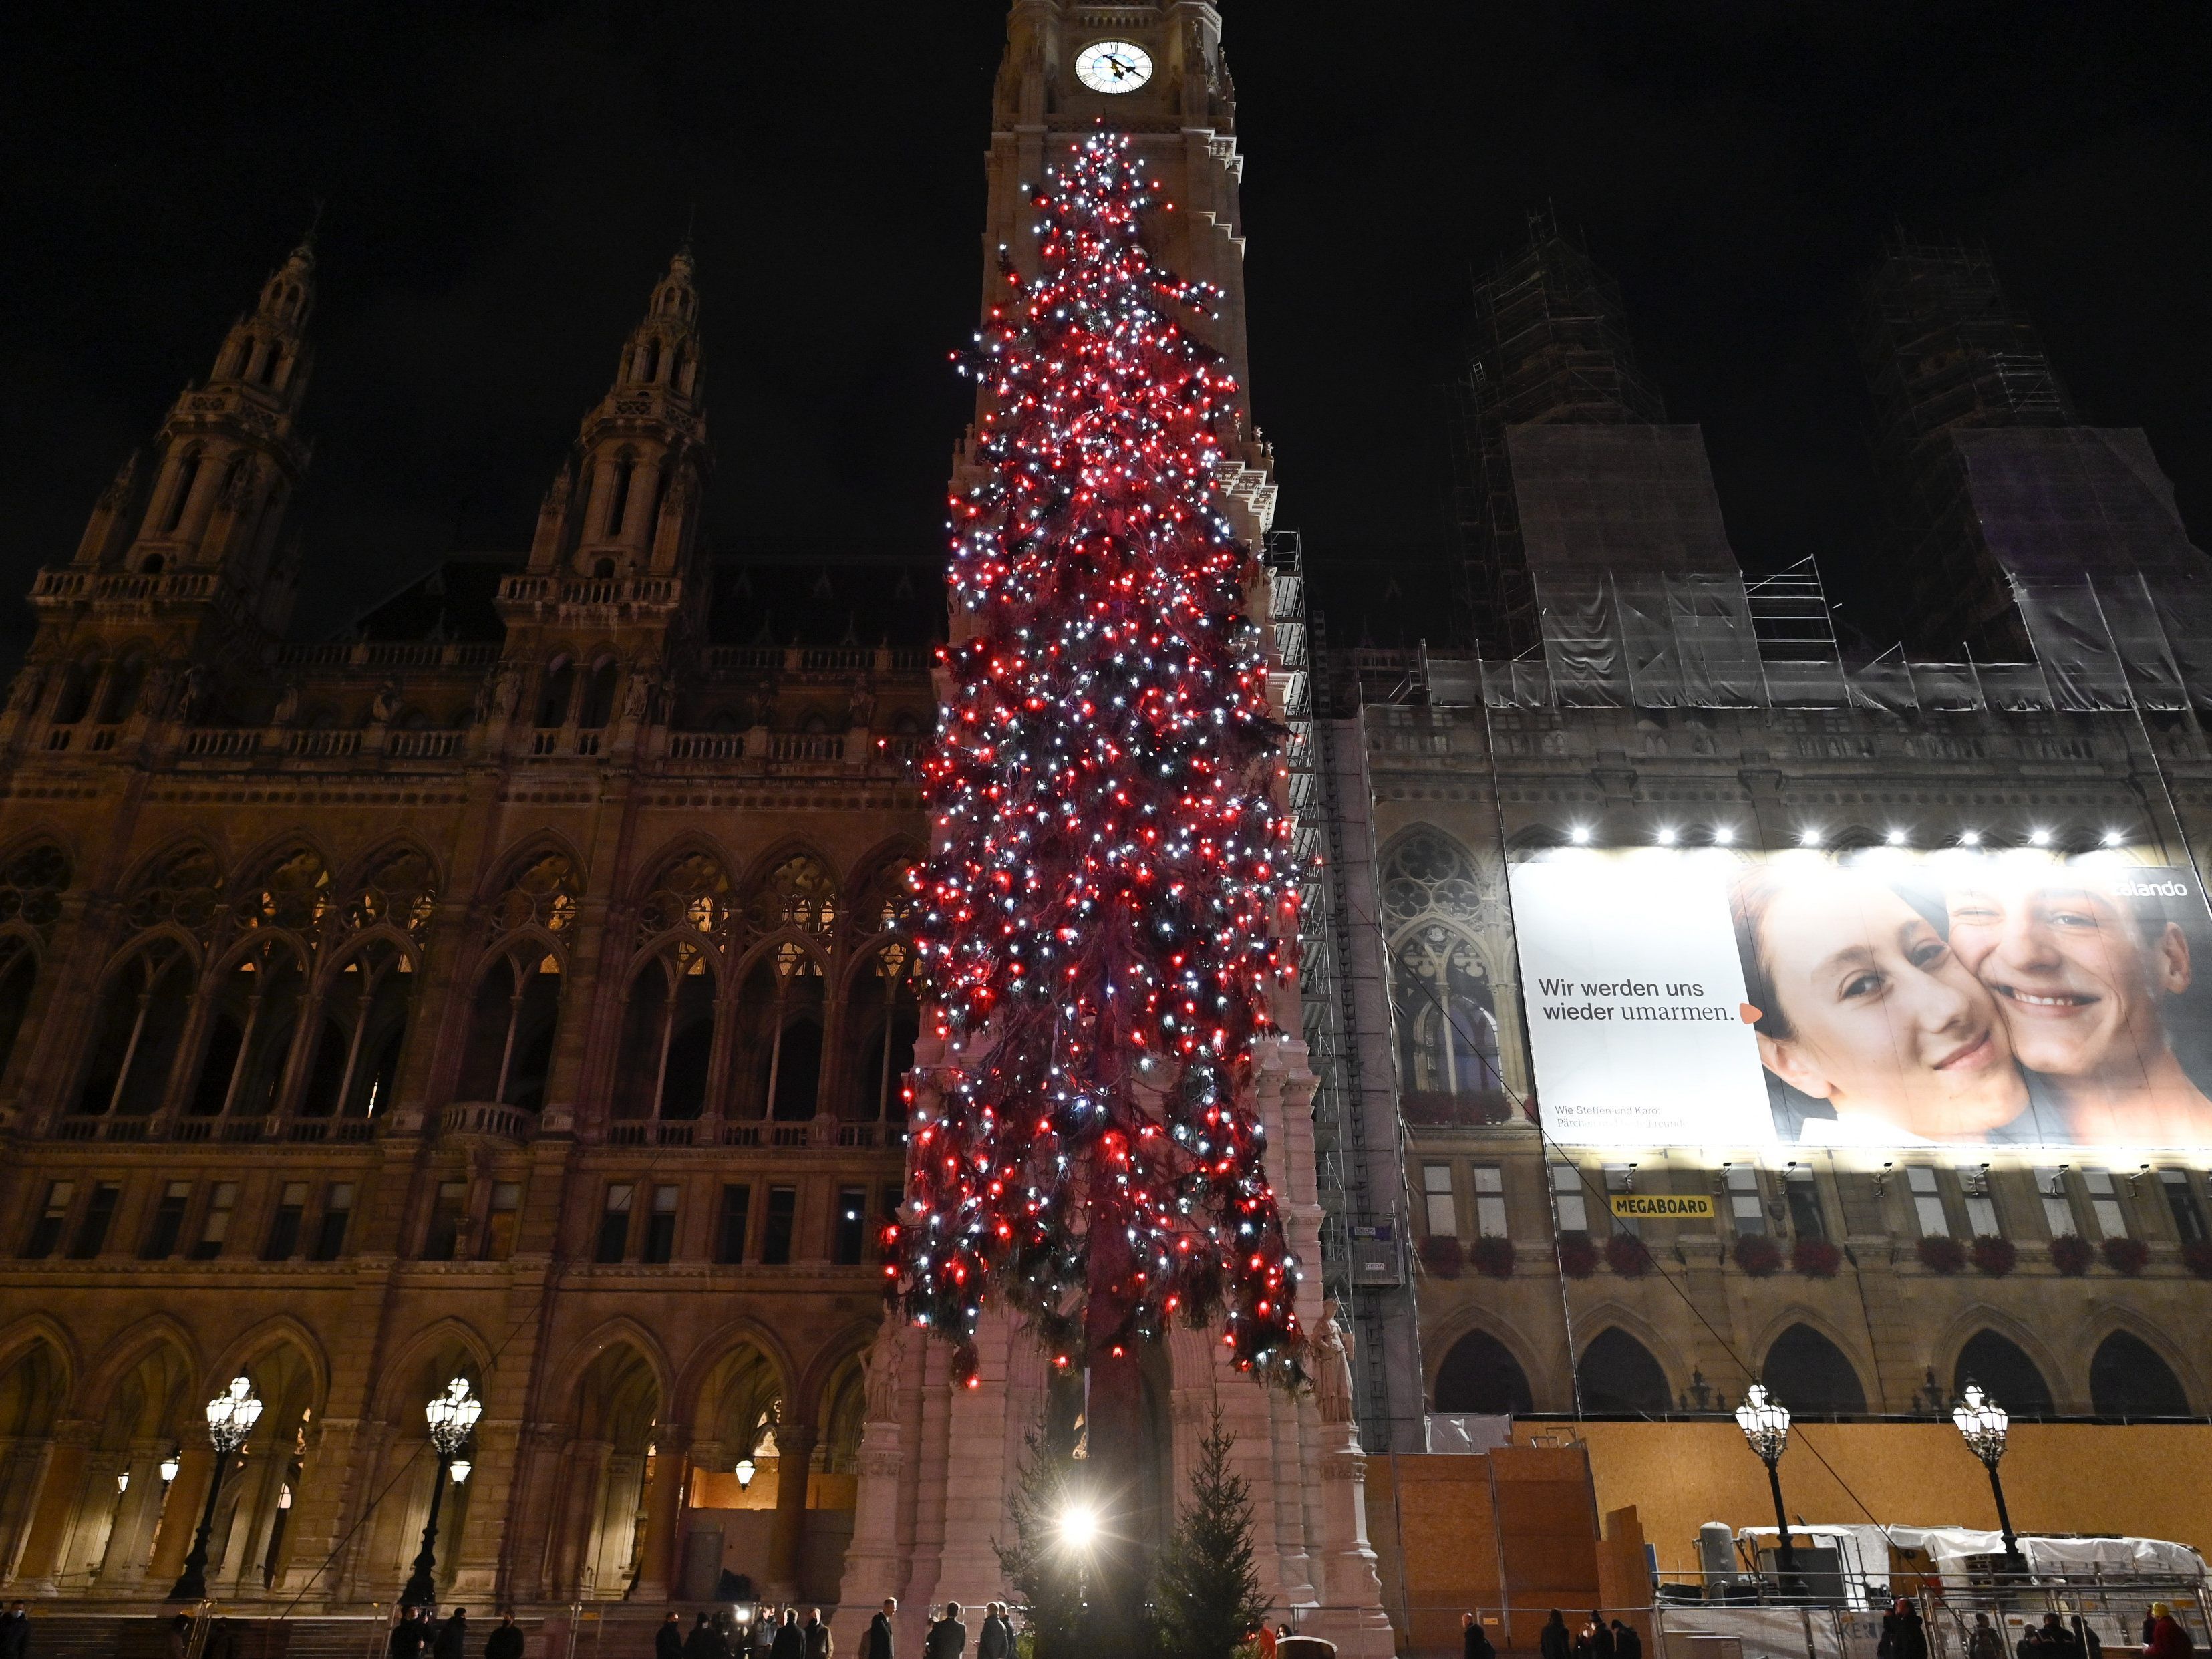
[410,1636]
[1626,1643]
[179,1639]
[452,1639]
[790,1641]
[1600,1635]
[1475,1641]
[877,1644]
[506,1642]
[948,1637]
[705,1641]
[1554,1641]
[15,1632]
[820,1643]
[668,1640]
[996,1640]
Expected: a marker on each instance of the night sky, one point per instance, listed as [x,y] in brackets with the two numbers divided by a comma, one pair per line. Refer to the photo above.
[504,182]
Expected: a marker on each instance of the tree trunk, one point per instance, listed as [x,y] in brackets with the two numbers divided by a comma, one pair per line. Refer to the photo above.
[1117,1445]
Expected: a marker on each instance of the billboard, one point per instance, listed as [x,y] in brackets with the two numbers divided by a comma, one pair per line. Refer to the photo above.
[1697,996]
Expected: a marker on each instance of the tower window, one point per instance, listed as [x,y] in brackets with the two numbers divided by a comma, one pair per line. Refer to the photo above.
[268,365]
[852,1225]
[284,1240]
[187,476]
[614,1224]
[160,1243]
[46,1230]
[624,469]
[506,1209]
[2188,1217]
[448,1214]
[652,361]
[92,1226]
[661,1226]
[337,1210]
[216,1226]
[782,1211]
[730,1224]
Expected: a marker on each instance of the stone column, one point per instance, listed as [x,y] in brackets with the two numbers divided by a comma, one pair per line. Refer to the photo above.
[579,1508]
[180,1515]
[874,1565]
[656,1576]
[794,1445]
[52,1518]
[1351,1613]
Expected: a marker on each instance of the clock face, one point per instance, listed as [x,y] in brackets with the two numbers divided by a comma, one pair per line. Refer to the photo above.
[1113,66]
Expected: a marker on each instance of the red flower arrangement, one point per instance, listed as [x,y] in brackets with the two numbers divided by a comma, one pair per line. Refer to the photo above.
[2126,1255]
[1940,1253]
[1815,1258]
[1440,1255]
[1992,1256]
[1628,1255]
[2071,1254]
[2196,1257]
[1757,1255]
[1577,1258]
[1493,1256]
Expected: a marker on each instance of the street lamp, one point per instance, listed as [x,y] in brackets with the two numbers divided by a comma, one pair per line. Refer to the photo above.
[230,1418]
[451,1416]
[169,1466]
[745,1470]
[1983,1422]
[1765,1421]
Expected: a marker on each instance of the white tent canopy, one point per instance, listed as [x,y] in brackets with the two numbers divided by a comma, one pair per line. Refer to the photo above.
[1864,1550]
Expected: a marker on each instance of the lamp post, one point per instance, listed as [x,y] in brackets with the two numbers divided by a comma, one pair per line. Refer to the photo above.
[451,1415]
[1983,1423]
[1765,1421]
[230,1418]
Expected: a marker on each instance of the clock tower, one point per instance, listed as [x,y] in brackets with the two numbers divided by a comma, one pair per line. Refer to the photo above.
[939,1461]
[1170,90]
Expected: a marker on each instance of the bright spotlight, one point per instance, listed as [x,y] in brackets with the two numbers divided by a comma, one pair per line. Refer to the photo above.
[1666,837]
[1725,836]
[1970,838]
[1808,838]
[2112,838]
[1896,838]
[1579,834]
[2038,837]
[1078,1526]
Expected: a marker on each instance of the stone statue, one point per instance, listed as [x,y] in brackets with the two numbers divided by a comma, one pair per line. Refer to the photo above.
[506,685]
[195,694]
[288,704]
[884,1355]
[861,705]
[637,701]
[28,684]
[1332,1367]
[386,707]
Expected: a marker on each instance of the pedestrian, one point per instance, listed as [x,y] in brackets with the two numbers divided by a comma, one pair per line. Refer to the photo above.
[15,1631]
[2086,1634]
[179,1638]
[763,1636]
[1264,1643]
[1475,1641]
[1983,1642]
[790,1642]
[2059,1642]
[1626,1643]
[668,1640]
[506,1642]
[409,1636]
[1554,1642]
[877,1643]
[705,1641]
[820,1643]
[452,1639]
[2167,1640]
[221,1640]
[948,1637]
[1600,1635]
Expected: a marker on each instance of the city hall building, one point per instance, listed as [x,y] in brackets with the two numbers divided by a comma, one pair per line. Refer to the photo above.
[516,988]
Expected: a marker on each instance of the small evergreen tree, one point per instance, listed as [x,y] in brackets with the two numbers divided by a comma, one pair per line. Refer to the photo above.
[1205,1593]
[1045,1575]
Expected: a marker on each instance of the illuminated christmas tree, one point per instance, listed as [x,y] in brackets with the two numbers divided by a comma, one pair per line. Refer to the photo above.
[1110,906]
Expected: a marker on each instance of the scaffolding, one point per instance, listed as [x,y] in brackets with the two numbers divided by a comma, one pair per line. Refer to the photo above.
[1547,345]
[1943,350]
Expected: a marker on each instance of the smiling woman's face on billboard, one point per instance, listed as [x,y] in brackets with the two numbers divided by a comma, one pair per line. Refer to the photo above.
[1861,1003]
[1965,999]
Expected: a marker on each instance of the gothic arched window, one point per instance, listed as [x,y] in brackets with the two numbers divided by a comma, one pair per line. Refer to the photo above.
[250,1036]
[598,704]
[1618,1377]
[693,893]
[400,890]
[617,508]
[31,887]
[363,1028]
[120,695]
[188,474]
[886,1014]
[886,900]
[75,695]
[543,893]
[1445,1011]
[1810,1374]
[511,1028]
[184,889]
[2128,1377]
[1480,1374]
[555,694]
[800,892]
[2006,1373]
[668,1037]
[781,1012]
[140,1028]
[293,893]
